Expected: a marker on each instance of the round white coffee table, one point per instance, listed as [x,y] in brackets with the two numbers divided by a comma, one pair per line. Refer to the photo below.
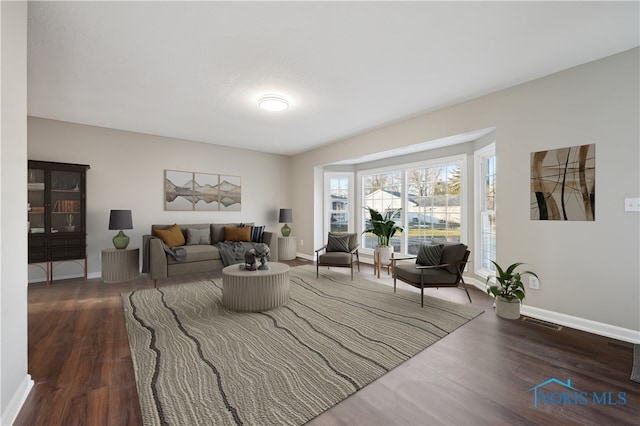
[254,291]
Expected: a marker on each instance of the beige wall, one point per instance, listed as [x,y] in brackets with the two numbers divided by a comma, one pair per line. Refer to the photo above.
[589,270]
[14,380]
[127,172]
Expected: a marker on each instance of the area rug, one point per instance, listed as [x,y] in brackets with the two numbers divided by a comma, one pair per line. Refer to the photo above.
[198,363]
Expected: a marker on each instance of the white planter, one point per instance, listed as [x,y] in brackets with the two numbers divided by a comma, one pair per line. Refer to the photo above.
[506,309]
[384,254]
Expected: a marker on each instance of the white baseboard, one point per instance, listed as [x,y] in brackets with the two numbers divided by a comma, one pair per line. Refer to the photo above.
[599,328]
[306,256]
[590,326]
[17,400]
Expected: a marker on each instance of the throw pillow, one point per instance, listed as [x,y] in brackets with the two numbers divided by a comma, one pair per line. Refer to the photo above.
[353,238]
[172,236]
[196,236]
[429,255]
[256,233]
[338,243]
[237,233]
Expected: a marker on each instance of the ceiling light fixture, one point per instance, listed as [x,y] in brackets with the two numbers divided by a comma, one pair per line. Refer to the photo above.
[273,103]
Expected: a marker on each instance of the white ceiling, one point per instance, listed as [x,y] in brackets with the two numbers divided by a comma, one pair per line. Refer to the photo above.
[194,70]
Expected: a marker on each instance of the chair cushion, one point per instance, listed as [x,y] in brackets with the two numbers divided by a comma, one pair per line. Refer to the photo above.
[453,252]
[409,273]
[172,236]
[338,243]
[429,254]
[337,258]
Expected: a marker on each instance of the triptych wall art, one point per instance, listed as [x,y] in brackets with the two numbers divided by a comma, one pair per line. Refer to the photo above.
[201,191]
[563,184]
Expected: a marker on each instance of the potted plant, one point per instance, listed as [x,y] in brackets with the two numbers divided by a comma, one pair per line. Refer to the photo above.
[384,227]
[70,227]
[508,290]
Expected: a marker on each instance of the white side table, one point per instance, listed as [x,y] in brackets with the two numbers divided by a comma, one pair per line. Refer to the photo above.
[119,265]
[287,248]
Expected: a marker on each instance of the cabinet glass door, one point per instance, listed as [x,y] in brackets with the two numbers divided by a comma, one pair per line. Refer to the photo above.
[36,201]
[66,202]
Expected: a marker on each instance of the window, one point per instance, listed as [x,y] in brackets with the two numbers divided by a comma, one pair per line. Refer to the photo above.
[382,192]
[339,193]
[485,241]
[433,204]
[430,195]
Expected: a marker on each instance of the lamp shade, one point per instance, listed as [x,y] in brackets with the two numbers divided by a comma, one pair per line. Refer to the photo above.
[286,216]
[120,219]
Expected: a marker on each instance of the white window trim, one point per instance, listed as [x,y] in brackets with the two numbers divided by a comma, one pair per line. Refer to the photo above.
[478,158]
[327,200]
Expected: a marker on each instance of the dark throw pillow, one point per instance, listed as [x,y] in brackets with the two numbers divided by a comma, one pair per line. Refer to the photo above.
[429,255]
[353,238]
[256,234]
[338,243]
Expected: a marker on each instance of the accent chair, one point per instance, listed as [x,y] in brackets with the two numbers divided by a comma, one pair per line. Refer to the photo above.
[437,265]
[341,250]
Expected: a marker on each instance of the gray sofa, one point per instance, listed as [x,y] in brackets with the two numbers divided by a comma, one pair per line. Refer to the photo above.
[198,258]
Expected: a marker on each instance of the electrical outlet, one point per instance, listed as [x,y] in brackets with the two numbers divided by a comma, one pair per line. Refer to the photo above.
[301,243]
[632,204]
[534,283]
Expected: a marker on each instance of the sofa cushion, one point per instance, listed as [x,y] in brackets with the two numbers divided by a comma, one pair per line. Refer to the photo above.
[240,233]
[172,236]
[197,253]
[196,236]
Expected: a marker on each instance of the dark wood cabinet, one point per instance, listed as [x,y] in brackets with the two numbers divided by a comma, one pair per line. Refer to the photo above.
[57,204]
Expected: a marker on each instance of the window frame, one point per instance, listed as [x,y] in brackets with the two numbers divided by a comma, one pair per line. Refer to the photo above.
[404,168]
[328,176]
[480,156]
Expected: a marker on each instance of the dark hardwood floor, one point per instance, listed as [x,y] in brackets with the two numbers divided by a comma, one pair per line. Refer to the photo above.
[481,374]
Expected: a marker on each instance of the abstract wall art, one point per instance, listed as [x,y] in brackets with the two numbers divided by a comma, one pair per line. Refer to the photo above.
[563,184]
[201,191]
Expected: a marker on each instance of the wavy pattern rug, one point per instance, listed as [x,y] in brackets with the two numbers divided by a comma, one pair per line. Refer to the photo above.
[197,363]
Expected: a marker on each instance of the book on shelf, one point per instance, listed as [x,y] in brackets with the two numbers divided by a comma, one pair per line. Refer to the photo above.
[67,206]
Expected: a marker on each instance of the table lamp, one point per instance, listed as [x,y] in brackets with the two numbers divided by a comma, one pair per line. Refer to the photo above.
[119,220]
[286,216]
